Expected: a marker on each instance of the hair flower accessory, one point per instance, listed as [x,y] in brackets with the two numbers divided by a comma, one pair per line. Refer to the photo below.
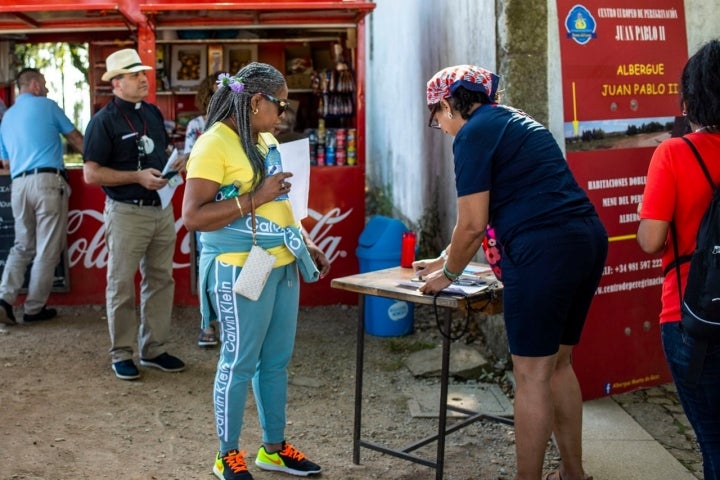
[235,83]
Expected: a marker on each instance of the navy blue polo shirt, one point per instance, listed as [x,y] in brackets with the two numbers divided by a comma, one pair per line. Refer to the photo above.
[504,151]
[111,140]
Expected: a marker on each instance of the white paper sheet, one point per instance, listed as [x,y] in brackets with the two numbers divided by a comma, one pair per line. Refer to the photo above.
[296,160]
[452,288]
[166,193]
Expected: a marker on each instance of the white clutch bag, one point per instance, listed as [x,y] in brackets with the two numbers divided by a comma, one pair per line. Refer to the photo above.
[254,273]
[257,268]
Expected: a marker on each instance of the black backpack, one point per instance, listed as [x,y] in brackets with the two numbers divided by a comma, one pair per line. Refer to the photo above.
[701,300]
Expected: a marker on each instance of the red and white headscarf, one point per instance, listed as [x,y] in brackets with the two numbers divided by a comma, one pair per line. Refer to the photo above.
[477,79]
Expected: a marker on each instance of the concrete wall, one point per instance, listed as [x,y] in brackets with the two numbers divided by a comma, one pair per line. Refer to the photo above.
[409,40]
[702,19]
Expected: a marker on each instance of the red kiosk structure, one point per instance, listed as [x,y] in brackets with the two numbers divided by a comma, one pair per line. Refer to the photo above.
[314,42]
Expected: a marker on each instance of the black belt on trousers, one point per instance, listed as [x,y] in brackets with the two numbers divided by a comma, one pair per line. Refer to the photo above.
[141,202]
[33,171]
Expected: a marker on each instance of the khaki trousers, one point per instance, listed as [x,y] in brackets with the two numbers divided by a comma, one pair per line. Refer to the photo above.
[40,208]
[144,238]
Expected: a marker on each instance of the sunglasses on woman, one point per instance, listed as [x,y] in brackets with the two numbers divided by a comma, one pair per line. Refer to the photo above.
[281,104]
[432,123]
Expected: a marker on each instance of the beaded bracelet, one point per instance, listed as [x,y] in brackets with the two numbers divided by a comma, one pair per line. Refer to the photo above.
[237,201]
[450,276]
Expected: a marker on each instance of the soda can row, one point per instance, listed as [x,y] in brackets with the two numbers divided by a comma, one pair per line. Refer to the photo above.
[332,146]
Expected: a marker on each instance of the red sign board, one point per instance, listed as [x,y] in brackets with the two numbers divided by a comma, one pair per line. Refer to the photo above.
[621,65]
[621,62]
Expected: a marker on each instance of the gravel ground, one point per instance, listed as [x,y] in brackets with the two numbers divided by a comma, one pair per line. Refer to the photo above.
[64,415]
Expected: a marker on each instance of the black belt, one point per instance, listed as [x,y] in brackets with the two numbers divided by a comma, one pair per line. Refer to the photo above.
[141,202]
[33,171]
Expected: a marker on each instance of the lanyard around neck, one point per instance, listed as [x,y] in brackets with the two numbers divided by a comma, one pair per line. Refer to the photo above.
[130,124]
[139,141]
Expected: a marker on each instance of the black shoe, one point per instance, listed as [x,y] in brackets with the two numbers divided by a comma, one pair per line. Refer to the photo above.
[231,466]
[7,317]
[289,460]
[165,362]
[126,370]
[44,314]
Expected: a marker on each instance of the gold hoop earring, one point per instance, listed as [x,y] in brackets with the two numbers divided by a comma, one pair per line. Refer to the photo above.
[255,111]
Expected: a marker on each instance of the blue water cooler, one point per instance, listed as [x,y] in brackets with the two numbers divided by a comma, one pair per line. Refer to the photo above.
[379,247]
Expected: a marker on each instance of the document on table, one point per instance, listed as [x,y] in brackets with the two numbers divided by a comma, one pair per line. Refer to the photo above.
[469,282]
[459,287]
[296,160]
[166,193]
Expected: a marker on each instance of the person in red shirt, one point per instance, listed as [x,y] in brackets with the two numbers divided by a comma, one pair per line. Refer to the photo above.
[677,191]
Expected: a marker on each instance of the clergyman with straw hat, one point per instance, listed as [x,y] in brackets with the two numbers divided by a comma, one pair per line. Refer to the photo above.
[125,152]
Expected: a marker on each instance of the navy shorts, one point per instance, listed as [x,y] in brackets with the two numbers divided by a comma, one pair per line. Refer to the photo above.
[550,276]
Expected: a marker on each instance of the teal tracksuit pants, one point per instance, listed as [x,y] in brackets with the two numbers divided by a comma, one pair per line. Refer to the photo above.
[258,338]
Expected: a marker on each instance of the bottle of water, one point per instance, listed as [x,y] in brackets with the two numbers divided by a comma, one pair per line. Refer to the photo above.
[273,166]
[313,141]
[330,148]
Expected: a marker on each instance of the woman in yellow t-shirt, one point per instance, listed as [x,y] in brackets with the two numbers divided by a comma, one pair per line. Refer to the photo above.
[226,181]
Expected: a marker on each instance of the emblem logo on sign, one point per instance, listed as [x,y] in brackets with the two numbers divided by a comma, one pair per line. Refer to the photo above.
[580,25]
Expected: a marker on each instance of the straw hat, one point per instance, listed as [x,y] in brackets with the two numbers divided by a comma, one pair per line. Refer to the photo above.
[122,62]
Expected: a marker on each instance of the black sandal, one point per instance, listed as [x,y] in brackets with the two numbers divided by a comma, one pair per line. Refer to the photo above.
[207,339]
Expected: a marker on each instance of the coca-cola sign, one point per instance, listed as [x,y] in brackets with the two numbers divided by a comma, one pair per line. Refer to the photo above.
[320,232]
[336,217]
[87,249]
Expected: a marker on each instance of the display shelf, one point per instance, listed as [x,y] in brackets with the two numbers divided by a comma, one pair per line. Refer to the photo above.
[322,90]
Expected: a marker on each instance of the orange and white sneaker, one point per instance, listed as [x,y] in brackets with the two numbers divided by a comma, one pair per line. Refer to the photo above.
[289,460]
[231,466]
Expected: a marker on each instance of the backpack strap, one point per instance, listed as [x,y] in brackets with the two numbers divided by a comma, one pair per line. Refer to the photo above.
[702,164]
[678,260]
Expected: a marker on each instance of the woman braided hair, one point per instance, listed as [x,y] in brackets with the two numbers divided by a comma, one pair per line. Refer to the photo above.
[234,102]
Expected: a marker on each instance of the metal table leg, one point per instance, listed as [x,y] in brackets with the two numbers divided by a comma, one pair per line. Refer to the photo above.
[359,360]
[442,417]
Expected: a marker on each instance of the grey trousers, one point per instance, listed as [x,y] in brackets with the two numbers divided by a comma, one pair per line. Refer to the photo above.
[40,207]
[144,238]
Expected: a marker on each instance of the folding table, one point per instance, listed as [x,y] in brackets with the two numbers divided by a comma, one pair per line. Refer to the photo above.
[393,283]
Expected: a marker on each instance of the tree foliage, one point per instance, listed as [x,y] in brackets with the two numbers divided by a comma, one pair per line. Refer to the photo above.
[65,66]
